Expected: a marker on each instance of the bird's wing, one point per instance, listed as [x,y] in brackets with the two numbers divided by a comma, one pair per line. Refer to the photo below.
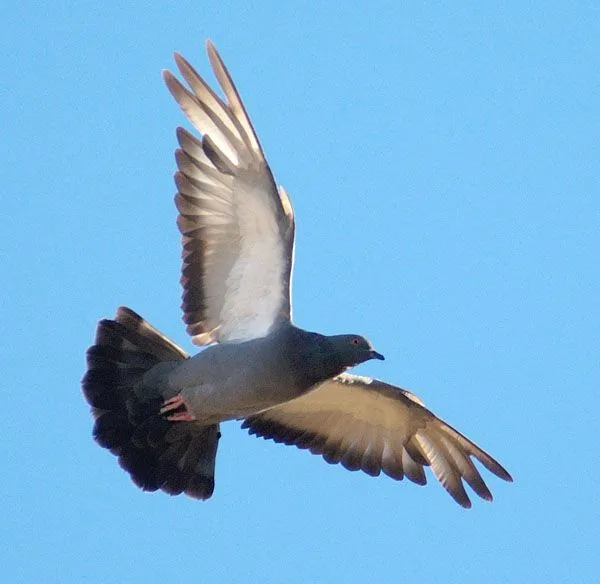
[369,425]
[237,226]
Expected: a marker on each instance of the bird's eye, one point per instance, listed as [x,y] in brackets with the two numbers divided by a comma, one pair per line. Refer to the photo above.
[355,341]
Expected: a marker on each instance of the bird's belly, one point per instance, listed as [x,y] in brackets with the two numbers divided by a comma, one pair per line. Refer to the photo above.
[215,403]
[216,387]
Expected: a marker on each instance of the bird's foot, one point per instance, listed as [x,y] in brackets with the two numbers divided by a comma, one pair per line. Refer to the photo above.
[177,403]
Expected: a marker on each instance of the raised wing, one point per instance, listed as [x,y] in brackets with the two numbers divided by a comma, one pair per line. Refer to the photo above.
[237,227]
[368,425]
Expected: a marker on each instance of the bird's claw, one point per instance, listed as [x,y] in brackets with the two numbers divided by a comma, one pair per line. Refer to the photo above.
[175,403]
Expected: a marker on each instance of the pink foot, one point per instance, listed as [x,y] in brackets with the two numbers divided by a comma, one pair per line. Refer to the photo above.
[173,404]
[182,417]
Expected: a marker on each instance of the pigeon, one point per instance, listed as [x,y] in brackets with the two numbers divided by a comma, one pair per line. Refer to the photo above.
[159,410]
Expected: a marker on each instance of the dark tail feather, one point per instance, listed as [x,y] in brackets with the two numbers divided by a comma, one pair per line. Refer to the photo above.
[177,457]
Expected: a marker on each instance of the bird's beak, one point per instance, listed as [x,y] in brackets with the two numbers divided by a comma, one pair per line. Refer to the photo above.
[376,355]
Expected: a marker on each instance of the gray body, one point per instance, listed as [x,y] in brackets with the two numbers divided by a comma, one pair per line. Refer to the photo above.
[236,380]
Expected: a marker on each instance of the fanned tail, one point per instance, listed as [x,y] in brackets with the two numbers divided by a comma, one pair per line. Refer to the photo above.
[177,457]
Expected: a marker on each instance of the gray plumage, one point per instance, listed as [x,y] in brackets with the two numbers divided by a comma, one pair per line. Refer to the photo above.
[158,409]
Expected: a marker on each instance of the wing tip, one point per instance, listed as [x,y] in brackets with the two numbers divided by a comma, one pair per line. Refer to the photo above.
[172,83]
[505,475]
[496,468]
[181,62]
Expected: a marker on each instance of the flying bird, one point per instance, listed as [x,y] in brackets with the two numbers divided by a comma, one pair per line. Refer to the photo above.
[158,409]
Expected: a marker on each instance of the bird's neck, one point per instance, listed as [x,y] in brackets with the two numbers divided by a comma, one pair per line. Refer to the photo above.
[311,359]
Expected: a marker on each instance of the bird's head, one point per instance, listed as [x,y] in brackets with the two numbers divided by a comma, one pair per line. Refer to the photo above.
[317,357]
[352,350]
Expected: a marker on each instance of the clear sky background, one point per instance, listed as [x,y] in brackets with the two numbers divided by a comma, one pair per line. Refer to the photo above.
[443,163]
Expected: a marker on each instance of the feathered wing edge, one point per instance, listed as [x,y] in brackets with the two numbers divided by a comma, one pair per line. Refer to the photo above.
[375,427]
[209,171]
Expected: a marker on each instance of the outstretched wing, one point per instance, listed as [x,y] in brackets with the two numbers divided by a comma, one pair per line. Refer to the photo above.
[237,226]
[369,425]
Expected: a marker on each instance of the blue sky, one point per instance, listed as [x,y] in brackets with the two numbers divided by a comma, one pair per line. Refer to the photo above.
[443,164]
